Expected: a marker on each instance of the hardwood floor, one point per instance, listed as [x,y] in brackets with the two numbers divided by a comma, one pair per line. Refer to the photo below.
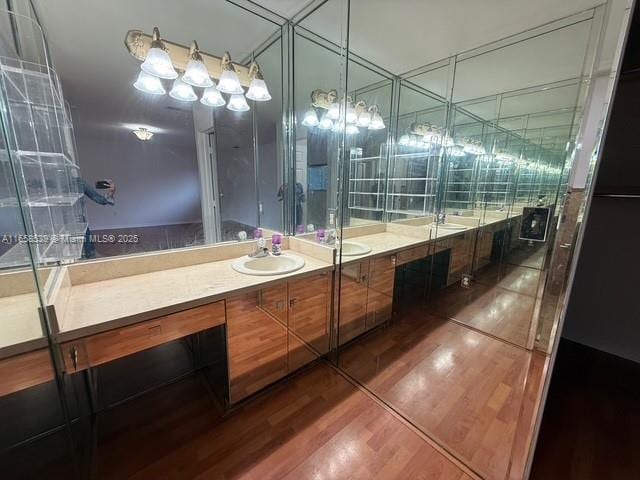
[459,386]
[316,425]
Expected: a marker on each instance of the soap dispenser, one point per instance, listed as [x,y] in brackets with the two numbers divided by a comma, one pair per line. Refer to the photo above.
[276,244]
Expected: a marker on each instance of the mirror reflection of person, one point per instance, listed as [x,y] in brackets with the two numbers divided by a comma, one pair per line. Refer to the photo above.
[89,249]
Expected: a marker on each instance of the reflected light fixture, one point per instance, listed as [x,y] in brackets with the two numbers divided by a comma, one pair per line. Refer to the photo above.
[211,97]
[229,81]
[196,73]
[456,151]
[325,122]
[149,84]
[143,134]
[157,62]
[311,118]
[351,115]
[334,111]
[351,129]
[364,119]
[237,103]
[258,91]
[474,147]
[376,119]
[182,91]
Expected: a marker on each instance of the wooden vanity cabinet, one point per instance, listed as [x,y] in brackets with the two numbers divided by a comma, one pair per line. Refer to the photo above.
[25,370]
[256,344]
[461,256]
[382,272]
[95,350]
[354,286]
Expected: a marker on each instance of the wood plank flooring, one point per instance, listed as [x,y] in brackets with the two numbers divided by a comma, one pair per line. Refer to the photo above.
[316,425]
[461,387]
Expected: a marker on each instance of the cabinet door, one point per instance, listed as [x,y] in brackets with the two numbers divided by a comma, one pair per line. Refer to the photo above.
[309,304]
[382,272]
[257,346]
[461,254]
[353,301]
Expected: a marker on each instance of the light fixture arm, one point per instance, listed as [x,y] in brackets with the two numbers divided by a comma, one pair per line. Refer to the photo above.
[254,71]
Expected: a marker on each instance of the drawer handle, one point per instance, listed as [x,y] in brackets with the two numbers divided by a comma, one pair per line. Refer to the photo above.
[292,302]
[74,357]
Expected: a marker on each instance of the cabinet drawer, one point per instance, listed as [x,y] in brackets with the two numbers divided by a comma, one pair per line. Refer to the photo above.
[104,347]
[412,254]
[24,371]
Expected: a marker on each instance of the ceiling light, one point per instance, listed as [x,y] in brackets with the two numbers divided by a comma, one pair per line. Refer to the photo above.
[258,90]
[149,84]
[325,123]
[143,134]
[157,62]
[334,111]
[196,73]
[237,103]
[211,97]
[311,118]
[376,119]
[351,129]
[182,91]
[364,119]
[229,81]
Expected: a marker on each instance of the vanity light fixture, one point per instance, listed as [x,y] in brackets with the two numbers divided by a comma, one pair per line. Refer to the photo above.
[456,151]
[258,91]
[351,129]
[311,118]
[474,147]
[502,155]
[351,116]
[143,134]
[196,73]
[157,61]
[229,81]
[364,119]
[211,97]
[182,91]
[334,111]
[149,84]
[325,122]
[237,103]
[376,119]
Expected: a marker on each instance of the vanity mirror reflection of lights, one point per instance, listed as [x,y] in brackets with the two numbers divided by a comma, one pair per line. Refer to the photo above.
[250,191]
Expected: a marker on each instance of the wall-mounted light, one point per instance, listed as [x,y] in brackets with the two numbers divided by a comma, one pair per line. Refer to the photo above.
[258,91]
[376,119]
[143,134]
[229,81]
[157,61]
[182,91]
[211,97]
[196,73]
[325,122]
[342,113]
[237,103]
[149,84]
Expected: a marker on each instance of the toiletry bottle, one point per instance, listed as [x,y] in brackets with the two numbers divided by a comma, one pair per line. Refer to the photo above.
[276,244]
[261,241]
[320,236]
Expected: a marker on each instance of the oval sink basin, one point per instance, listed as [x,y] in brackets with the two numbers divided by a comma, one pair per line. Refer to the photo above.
[449,226]
[350,249]
[270,265]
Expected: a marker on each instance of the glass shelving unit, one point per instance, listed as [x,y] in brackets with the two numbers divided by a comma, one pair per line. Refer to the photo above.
[42,160]
[495,183]
[461,180]
[366,182]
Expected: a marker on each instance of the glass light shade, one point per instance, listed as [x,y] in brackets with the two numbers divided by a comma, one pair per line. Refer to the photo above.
[334,111]
[158,63]
[364,119]
[376,122]
[413,141]
[149,84]
[258,91]
[237,103]
[352,115]
[230,83]
[211,97]
[474,149]
[404,140]
[325,123]
[351,129]
[182,91]
[310,118]
[456,151]
[197,74]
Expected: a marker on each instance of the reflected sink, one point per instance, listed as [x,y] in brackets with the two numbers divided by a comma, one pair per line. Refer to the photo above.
[453,227]
[270,265]
[350,249]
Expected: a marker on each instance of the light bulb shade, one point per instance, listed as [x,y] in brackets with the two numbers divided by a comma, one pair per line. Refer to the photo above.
[230,83]
[351,129]
[158,63]
[211,97]
[325,123]
[149,84]
[258,91]
[310,118]
[338,127]
[376,122]
[197,74]
[237,103]
[404,140]
[364,119]
[352,115]
[182,91]
[334,111]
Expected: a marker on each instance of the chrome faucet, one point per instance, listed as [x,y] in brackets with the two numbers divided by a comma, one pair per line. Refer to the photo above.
[332,237]
[441,218]
[259,252]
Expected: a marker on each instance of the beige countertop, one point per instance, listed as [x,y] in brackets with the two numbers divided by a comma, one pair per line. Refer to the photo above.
[103,305]
[19,320]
